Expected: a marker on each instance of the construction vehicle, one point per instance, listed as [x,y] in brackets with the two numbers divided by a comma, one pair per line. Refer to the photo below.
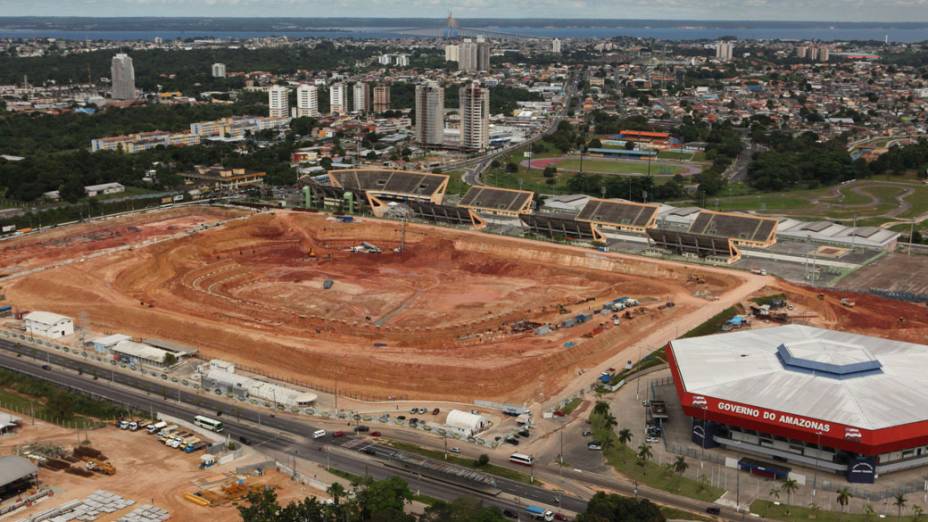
[847,302]
[153,428]
[104,468]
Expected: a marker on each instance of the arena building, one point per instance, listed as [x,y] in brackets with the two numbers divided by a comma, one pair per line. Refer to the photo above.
[844,403]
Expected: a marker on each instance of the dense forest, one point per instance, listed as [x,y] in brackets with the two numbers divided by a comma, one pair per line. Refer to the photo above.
[802,162]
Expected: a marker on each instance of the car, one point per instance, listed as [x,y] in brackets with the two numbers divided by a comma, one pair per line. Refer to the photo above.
[560,516]
[558,413]
[414,420]
[401,418]
[587,433]
[369,450]
[512,440]
[508,513]
[454,450]
[362,429]
[413,410]
[712,510]
[652,440]
[375,434]
[524,433]
[243,439]
[46,367]
[423,411]
[338,434]
[384,418]
[594,446]
[436,411]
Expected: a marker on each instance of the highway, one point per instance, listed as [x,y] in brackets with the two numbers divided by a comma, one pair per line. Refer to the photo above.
[291,436]
[261,430]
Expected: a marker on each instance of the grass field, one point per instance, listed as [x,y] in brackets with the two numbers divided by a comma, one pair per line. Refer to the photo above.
[604,166]
[768,509]
[682,156]
[491,468]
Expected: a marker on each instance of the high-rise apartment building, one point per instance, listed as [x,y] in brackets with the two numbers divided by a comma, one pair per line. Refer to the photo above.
[475,116]
[556,46]
[402,60]
[278,101]
[381,98]
[452,53]
[483,54]
[430,113]
[724,50]
[338,98]
[361,97]
[467,56]
[122,75]
[219,70]
[307,101]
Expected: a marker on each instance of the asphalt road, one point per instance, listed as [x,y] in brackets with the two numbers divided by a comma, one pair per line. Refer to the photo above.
[261,430]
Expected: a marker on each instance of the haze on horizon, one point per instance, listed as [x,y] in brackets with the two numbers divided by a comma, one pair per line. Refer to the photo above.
[760,10]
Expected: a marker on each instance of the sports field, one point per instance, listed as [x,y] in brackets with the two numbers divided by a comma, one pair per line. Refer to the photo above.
[626,167]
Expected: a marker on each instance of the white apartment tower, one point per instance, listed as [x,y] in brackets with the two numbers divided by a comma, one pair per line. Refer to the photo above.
[430,114]
[724,50]
[122,74]
[361,101]
[475,116]
[467,56]
[452,53]
[219,70]
[381,98]
[307,101]
[278,102]
[556,46]
[338,98]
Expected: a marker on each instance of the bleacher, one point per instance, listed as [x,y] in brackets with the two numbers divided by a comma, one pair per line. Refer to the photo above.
[326,196]
[557,227]
[625,215]
[399,183]
[498,200]
[716,248]
[440,213]
[742,228]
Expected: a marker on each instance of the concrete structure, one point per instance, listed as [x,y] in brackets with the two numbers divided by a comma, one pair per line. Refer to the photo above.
[220,178]
[48,324]
[724,50]
[466,423]
[14,470]
[381,98]
[136,354]
[338,99]
[838,235]
[122,77]
[216,375]
[278,101]
[475,116]
[430,114]
[307,101]
[361,97]
[104,188]
[219,70]
[840,402]
[556,46]
[105,344]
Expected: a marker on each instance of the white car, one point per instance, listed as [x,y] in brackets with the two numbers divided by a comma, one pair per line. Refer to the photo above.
[454,450]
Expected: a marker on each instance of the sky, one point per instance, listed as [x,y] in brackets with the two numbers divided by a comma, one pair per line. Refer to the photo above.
[789,10]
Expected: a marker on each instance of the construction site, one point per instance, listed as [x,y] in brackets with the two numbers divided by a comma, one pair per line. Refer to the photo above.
[379,307]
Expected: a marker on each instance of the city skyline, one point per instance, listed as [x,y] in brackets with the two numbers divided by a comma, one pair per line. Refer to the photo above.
[735,10]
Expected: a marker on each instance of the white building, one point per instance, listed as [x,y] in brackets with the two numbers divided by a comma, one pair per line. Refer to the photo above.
[219,70]
[217,375]
[466,424]
[106,343]
[361,98]
[307,101]
[475,116]
[278,101]
[48,324]
[338,98]
[467,56]
[122,76]
[556,46]
[133,353]
[724,50]
[430,113]
[384,59]
[104,188]
[452,53]
[401,60]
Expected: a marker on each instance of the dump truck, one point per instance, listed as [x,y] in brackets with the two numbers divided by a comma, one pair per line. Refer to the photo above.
[538,513]
[153,428]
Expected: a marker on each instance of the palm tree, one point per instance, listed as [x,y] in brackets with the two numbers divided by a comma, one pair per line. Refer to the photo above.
[844,496]
[899,502]
[625,436]
[869,511]
[601,408]
[644,454]
[680,466]
[917,512]
[789,486]
[774,492]
[609,421]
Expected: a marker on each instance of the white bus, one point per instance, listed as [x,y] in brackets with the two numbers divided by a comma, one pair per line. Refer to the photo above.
[206,422]
[520,458]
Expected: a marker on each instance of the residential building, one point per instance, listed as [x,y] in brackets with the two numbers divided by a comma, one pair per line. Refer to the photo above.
[467,56]
[483,54]
[724,50]
[338,98]
[122,76]
[307,101]
[48,324]
[475,116]
[219,70]
[384,59]
[556,46]
[381,98]
[104,188]
[361,97]
[430,113]
[278,101]
[402,60]
[452,53]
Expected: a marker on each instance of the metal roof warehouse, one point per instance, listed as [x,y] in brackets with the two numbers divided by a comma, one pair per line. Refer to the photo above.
[822,398]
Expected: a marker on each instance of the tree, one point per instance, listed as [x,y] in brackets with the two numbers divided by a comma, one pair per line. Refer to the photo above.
[512,167]
[465,509]
[917,512]
[337,492]
[383,500]
[789,487]
[260,506]
[644,454]
[550,171]
[625,436]
[601,408]
[679,465]
[629,145]
[844,497]
[899,501]
[482,460]
[60,406]
[616,508]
